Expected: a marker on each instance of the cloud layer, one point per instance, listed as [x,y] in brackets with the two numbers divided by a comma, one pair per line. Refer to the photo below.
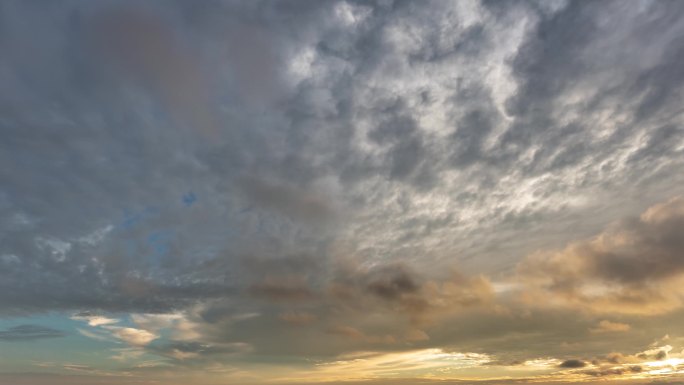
[29,333]
[634,267]
[209,186]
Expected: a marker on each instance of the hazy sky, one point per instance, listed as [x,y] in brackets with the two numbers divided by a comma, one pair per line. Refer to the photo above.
[387,192]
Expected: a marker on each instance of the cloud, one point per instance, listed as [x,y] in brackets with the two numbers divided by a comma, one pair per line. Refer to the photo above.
[606,326]
[132,336]
[283,288]
[29,333]
[614,371]
[126,354]
[355,334]
[633,267]
[146,47]
[411,138]
[383,132]
[353,307]
[397,289]
[297,318]
[289,200]
[391,282]
[572,364]
[196,351]
[375,364]
[178,324]
[94,320]
[658,353]
[94,335]
[106,329]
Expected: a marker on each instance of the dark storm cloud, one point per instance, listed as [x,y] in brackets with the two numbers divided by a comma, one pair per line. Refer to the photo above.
[29,333]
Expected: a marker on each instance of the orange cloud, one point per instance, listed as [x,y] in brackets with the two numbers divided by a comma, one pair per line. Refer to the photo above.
[606,326]
[633,267]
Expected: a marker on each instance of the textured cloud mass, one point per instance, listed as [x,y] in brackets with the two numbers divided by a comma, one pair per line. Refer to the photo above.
[298,190]
[637,266]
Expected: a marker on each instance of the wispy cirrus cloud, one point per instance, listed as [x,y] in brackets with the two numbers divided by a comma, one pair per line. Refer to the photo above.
[29,332]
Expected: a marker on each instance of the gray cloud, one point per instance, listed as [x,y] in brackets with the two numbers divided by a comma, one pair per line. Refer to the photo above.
[293,202]
[230,158]
[336,120]
[29,333]
[283,288]
[391,282]
[572,364]
[614,371]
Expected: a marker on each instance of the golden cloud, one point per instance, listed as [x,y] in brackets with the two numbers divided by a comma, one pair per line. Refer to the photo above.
[636,266]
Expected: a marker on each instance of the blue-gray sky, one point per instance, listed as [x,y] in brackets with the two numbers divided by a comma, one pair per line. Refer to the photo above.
[289,191]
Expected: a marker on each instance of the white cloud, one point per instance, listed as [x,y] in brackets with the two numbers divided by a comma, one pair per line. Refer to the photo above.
[94,320]
[416,363]
[132,336]
[94,335]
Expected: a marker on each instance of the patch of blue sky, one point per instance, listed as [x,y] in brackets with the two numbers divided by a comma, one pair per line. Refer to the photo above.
[134,217]
[189,198]
[50,354]
[159,243]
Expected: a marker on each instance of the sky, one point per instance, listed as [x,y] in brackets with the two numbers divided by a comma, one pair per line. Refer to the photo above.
[341,192]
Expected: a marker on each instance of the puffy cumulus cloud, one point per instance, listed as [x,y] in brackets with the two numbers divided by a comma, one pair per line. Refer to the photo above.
[634,267]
